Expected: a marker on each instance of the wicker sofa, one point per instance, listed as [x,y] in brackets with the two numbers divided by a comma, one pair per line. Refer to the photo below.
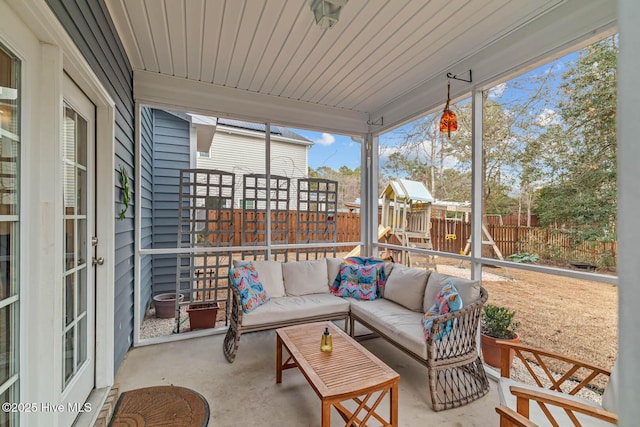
[300,293]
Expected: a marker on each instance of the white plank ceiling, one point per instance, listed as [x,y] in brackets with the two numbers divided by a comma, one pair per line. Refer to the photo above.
[379,51]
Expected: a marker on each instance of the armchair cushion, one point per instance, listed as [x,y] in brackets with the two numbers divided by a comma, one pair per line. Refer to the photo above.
[252,294]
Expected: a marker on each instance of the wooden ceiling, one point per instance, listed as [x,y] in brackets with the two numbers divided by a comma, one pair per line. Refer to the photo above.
[378,52]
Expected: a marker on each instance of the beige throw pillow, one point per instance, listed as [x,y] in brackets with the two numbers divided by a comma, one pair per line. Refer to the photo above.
[306,277]
[406,286]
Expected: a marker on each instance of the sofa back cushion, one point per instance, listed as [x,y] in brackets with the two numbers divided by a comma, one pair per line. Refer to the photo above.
[406,286]
[333,269]
[270,273]
[306,277]
[469,290]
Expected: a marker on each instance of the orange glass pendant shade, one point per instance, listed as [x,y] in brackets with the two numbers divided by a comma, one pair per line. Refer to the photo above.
[448,121]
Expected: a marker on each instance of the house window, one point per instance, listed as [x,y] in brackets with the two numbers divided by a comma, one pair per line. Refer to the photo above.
[9,236]
[203,154]
[247,204]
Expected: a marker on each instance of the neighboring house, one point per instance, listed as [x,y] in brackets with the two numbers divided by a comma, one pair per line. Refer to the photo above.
[239,147]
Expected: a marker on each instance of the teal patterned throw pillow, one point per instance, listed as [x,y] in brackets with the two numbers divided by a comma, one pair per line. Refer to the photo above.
[245,280]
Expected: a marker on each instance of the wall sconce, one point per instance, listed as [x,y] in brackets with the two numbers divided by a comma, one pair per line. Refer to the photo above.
[449,121]
[327,12]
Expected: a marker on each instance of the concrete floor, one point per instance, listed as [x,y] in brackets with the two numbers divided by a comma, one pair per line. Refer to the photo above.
[245,393]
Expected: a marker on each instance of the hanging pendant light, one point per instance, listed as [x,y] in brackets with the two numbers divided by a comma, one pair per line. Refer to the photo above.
[448,121]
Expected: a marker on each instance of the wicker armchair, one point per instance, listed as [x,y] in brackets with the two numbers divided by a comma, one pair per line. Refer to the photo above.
[556,402]
[456,374]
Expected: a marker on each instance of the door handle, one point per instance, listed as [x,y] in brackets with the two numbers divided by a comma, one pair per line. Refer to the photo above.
[97,261]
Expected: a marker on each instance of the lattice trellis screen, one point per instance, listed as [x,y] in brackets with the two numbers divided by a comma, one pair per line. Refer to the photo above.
[254,214]
[205,219]
[316,216]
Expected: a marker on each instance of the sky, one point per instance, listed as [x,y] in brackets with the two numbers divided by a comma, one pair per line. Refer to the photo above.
[335,150]
[331,150]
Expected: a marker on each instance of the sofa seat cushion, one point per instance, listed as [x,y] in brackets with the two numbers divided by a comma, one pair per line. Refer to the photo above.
[296,307]
[535,413]
[402,325]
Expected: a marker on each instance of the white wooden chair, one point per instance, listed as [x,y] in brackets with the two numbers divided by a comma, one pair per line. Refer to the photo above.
[553,401]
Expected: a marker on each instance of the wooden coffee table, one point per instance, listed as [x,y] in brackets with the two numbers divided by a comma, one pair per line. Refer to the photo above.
[349,372]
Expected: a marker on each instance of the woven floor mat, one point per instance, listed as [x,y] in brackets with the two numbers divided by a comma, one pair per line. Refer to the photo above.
[161,406]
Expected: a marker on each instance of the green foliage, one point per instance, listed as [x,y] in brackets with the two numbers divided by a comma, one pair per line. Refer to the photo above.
[581,195]
[497,322]
[126,192]
[524,257]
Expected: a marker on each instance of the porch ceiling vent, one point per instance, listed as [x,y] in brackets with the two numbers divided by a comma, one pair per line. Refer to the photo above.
[327,12]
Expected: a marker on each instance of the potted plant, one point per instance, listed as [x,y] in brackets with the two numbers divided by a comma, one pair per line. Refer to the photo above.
[203,314]
[497,324]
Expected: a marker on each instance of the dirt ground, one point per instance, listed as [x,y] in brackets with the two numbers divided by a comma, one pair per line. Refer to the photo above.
[572,317]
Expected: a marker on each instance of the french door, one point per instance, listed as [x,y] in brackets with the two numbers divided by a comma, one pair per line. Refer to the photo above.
[77,284]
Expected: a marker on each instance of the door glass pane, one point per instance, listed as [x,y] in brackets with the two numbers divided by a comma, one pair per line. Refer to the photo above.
[69,295]
[82,332]
[70,243]
[82,242]
[82,290]
[9,419]
[69,189]
[9,230]
[68,355]
[81,184]
[77,235]
[8,261]
[8,367]
[81,144]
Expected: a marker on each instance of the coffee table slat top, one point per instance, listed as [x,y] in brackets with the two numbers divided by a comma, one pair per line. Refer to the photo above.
[347,369]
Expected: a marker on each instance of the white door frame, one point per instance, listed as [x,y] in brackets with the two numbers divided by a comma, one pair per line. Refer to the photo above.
[47,52]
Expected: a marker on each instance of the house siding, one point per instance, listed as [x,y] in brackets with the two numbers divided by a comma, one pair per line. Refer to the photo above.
[171,152]
[90,27]
[243,154]
[146,206]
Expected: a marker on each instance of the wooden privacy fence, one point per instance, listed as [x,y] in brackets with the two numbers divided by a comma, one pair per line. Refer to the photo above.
[548,243]
[347,223]
[451,236]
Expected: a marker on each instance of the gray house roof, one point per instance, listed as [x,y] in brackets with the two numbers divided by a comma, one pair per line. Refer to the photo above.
[260,127]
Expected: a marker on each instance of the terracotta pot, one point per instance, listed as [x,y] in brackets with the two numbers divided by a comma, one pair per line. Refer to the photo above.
[202,315]
[491,353]
[165,305]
